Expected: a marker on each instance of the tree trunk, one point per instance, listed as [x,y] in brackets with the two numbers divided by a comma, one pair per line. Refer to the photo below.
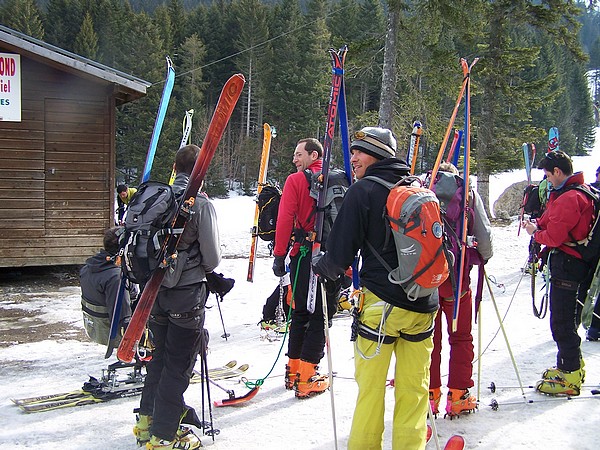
[388,81]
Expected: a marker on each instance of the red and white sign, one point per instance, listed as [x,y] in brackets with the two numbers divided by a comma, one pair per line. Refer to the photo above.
[10,87]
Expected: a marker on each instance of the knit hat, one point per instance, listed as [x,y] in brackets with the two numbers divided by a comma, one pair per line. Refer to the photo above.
[375,141]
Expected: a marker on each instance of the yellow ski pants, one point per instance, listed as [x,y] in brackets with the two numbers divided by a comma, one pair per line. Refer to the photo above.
[411,391]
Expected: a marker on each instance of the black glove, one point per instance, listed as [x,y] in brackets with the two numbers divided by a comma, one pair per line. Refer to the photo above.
[218,284]
[279,266]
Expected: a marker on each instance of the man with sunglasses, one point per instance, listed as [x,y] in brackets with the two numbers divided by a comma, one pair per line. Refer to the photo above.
[567,218]
[388,322]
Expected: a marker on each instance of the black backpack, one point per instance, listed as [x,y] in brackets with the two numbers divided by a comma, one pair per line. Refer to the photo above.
[532,204]
[148,222]
[268,208]
[337,185]
[589,246]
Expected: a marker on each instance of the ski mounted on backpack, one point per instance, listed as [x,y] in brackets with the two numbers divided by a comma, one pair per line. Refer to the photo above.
[454,152]
[223,111]
[262,179]
[413,149]
[553,140]
[158,124]
[185,137]
[466,92]
[337,61]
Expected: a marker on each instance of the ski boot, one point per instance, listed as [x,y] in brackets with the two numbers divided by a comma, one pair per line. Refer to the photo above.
[435,396]
[308,381]
[459,400]
[187,442]
[272,325]
[141,429]
[291,369]
[593,334]
[561,383]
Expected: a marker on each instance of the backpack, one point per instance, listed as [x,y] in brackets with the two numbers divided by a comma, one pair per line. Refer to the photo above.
[148,222]
[413,214]
[337,185]
[449,189]
[589,247]
[268,208]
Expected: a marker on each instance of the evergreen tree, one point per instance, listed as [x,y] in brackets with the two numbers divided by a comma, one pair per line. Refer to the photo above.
[23,16]
[86,42]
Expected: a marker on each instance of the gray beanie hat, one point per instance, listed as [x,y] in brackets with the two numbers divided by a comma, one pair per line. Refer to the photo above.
[375,141]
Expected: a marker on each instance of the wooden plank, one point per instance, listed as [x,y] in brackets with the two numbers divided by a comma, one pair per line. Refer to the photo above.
[75,195]
[81,157]
[43,261]
[27,154]
[16,168]
[9,194]
[17,185]
[22,224]
[79,128]
[75,147]
[69,214]
[20,213]
[58,241]
[24,203]
[7,145]
[22,174]
[22,134]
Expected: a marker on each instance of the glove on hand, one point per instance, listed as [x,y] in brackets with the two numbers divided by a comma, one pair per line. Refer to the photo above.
[218,284]
[279,266]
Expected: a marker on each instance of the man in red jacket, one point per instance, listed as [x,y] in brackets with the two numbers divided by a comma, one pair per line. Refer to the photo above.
[296,218]
[567,218]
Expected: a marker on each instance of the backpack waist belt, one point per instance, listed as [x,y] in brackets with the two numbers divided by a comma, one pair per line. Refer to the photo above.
[373,335]
[94,310]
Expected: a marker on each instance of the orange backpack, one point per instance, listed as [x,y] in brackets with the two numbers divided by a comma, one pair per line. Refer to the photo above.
[413,214]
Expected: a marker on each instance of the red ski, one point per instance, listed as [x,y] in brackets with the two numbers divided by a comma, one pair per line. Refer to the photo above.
[455,442]
[225,106]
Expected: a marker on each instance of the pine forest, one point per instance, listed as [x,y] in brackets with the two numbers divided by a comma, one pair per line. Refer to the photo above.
[537,63]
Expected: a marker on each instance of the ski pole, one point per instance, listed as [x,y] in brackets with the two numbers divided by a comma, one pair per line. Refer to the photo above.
[495,404]
[329,361]
[205,370]
[225,334]
[504,333]
[436,439]
[492,387]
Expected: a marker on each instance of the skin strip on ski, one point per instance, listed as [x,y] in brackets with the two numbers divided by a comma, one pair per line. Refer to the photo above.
[223,111]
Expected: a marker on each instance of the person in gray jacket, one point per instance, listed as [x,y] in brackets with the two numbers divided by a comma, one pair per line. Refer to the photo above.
[177,322]
[100,278]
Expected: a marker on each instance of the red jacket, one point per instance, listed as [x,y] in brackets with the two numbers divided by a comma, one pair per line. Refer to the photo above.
[568,217]
[296,210]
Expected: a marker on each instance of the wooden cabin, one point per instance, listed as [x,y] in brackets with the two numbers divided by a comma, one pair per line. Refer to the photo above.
[57,151]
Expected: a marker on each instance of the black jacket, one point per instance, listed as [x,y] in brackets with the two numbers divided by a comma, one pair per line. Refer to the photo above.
[99,279]
[362,218]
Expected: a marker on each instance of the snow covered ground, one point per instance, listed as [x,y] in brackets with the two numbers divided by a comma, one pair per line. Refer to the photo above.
[274,419]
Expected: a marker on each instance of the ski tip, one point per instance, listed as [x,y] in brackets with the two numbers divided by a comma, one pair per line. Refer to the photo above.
[456,442]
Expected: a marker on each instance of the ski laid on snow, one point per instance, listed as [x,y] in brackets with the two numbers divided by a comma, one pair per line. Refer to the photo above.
[220,374]
[109,387]
[225,106]
[262,179]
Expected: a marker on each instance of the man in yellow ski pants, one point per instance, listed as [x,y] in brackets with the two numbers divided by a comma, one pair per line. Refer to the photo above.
[388,322]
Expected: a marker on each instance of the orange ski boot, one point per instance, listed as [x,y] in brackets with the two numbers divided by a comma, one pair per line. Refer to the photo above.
[459,401]
[308,381]
[435,396]
[291,370]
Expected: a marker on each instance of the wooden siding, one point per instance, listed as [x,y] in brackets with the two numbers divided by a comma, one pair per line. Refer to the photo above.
[56,170]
